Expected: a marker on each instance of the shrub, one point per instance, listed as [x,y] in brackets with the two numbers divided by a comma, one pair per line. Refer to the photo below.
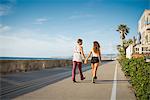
[139,72]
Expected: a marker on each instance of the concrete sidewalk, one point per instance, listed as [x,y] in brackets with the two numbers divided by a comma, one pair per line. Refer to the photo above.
[105,87]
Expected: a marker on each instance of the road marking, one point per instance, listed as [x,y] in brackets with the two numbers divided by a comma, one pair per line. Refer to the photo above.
[113,93]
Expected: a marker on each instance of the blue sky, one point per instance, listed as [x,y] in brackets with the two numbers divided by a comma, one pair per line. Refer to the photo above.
[49,28]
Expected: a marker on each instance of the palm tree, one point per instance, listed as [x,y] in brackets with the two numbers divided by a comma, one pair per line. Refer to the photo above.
[123,30]
[130,41]
[126,43]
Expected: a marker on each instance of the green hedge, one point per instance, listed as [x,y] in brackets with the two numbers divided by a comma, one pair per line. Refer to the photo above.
[139,72]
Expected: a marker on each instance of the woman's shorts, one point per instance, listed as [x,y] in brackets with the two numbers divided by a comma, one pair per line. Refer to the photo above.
[94,60]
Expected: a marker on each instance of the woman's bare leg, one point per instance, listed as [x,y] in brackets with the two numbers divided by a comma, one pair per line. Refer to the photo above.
[95,68]
[92,66]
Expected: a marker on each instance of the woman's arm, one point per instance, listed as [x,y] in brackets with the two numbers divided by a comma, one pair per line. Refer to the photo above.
[89,55]
[100,54]
[85,62]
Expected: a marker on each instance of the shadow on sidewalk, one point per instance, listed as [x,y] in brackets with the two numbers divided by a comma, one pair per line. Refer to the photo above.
[110,81]
[103,81]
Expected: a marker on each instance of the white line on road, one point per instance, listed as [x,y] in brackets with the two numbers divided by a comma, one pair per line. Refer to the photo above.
[113,93]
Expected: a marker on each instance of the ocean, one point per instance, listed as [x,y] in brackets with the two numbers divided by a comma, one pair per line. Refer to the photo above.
[29,58]
[52,58]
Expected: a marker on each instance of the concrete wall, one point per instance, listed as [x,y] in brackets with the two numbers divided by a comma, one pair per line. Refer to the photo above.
[9,66]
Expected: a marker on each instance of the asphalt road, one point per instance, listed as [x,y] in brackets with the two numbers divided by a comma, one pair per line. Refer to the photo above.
[17,84]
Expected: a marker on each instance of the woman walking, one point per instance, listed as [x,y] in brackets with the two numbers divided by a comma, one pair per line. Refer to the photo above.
[77,60]
[96,58]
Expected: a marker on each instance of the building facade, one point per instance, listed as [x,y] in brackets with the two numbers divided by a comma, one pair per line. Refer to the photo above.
[144,30]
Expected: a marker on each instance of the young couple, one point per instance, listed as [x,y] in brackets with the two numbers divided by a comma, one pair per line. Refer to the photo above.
[77,59]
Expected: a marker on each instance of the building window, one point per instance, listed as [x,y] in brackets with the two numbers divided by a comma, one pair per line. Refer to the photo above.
[146,38]
[136,50]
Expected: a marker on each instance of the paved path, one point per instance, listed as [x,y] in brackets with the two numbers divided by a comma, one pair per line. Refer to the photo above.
[16,84]
[105,88]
